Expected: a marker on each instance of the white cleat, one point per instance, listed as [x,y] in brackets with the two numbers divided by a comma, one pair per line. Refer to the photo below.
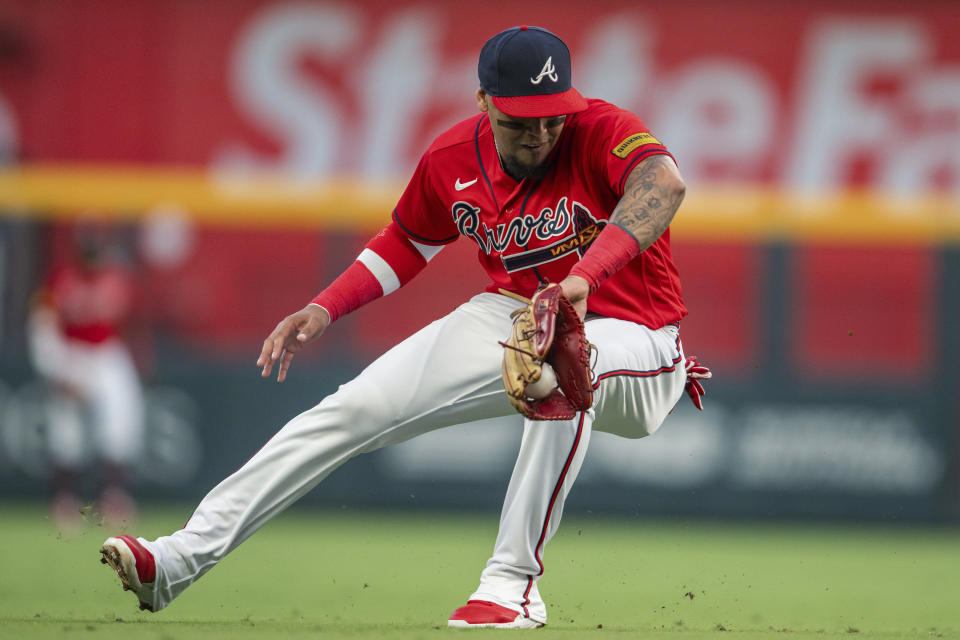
[479,614]
[134,565]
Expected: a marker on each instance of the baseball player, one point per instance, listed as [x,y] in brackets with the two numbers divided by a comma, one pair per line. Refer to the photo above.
[551,187]
[76,346]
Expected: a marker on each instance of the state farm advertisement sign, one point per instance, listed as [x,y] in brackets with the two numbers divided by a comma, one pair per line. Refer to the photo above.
[810,95]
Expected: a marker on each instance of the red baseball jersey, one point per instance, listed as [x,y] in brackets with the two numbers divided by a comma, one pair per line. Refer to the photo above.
[91,305]
[536,230]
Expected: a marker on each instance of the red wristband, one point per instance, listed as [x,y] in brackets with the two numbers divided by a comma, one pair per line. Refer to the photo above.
[388,262]
[354,288]
[609,253]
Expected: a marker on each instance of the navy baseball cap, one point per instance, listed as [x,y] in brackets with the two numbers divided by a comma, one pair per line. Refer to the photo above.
[526,71]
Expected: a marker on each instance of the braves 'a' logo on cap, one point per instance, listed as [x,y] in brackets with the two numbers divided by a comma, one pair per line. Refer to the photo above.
[548,70]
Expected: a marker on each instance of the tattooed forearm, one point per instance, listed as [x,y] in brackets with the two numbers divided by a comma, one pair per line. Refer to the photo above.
[652,194]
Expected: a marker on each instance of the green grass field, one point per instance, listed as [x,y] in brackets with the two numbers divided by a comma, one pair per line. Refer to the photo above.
[332,574]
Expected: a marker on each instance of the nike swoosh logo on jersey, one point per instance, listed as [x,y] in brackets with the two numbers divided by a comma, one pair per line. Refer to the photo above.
[460,186]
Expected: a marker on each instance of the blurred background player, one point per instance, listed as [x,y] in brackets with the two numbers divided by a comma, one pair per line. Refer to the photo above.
[95,409]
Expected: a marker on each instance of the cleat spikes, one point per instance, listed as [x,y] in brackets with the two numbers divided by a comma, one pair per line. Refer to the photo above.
[122,555]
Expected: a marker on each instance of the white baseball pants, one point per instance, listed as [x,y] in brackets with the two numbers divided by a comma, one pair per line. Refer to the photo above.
[447,373]
[104,380]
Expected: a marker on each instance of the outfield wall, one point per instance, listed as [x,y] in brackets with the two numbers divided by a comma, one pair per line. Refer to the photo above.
[835,391]
[240,153]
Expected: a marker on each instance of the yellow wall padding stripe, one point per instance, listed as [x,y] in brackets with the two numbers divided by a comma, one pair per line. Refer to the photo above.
[708,213]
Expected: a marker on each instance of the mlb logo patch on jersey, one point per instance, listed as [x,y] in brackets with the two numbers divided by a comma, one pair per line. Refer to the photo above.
[636,140]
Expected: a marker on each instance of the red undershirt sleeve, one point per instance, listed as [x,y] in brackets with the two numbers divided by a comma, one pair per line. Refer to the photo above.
[610,252]
[389,261]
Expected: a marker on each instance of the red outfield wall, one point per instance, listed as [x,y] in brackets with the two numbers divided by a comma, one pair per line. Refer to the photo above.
[812,95]
[835,351]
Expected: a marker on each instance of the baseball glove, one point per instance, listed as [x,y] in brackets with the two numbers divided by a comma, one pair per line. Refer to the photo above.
[547,330]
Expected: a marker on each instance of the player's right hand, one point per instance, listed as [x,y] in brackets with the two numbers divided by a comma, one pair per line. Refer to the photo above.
[291,335]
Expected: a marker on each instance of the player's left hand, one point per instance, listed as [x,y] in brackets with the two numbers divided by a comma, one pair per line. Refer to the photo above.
[576,290]
[292,334]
